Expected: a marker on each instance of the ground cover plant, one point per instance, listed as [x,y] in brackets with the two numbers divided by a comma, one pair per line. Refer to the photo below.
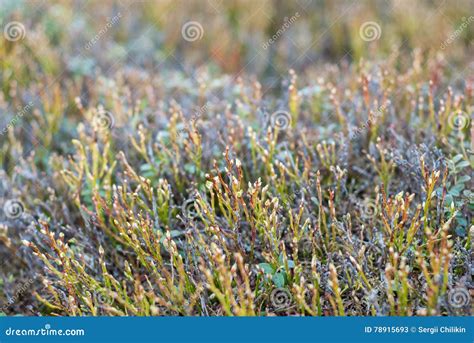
[247,158]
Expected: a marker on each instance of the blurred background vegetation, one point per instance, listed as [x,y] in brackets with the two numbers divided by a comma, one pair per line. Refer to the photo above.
[148,33]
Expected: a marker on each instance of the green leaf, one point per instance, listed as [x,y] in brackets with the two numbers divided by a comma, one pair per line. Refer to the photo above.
[147,170]
[451,165]
[278,279]
[448,199]
[461,220]
[453,192]
[175,233]
[146,167]
[457,158]
[190,168]
[456,190]
[461,231]
[267,268]
[463,164]
[464,178]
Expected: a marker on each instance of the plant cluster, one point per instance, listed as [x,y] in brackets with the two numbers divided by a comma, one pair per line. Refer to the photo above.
[346,190]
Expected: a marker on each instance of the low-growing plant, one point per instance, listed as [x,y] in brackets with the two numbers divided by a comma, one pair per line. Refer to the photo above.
[345,190]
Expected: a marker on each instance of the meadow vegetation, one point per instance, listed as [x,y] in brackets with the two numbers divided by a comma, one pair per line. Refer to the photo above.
[318,172]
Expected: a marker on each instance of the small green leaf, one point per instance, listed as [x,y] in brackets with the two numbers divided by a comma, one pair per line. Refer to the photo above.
[461,231]
[461,220]
[267,268]
[278,279]
[449,199]
[190,168]
[456,190]
[463,164]
[280,259]
[175,233]
[457,158]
